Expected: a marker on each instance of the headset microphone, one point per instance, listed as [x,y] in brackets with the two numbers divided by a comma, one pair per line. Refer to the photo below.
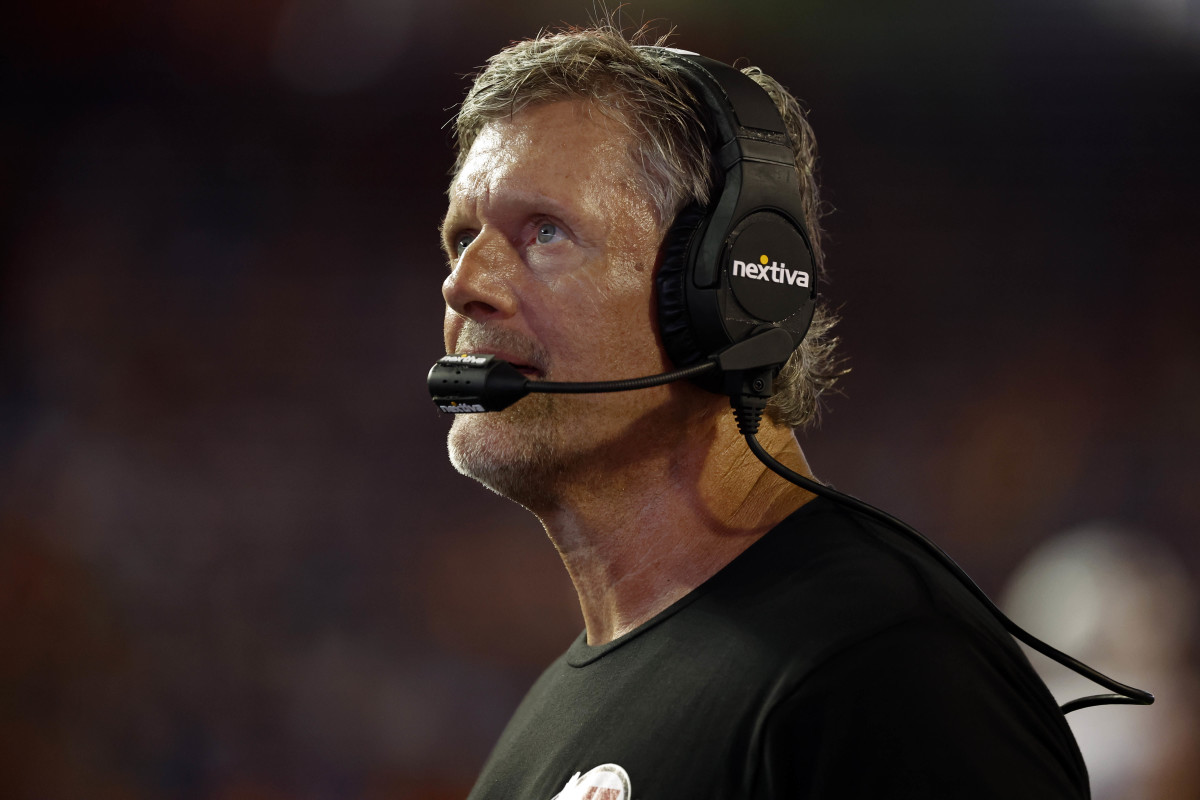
[469,383]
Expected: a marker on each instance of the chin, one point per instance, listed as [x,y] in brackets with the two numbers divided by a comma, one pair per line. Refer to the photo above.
[509,452]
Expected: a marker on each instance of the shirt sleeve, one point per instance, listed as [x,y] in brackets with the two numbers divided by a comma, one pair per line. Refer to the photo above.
[919,711]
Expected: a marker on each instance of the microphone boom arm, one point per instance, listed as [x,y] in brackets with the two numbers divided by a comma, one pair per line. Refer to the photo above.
[469,384]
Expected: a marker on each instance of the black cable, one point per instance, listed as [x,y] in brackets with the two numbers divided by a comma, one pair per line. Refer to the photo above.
[553,387]
[1123,694]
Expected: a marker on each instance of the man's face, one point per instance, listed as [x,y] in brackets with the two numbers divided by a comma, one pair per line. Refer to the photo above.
[552,249]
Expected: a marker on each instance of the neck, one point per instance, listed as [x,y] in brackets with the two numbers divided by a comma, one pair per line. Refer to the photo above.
[635,539]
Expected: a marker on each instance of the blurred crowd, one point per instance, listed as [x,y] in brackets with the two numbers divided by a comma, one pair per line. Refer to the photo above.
[234,562]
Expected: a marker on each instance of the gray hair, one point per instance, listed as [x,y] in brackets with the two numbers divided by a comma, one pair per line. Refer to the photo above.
[668,148]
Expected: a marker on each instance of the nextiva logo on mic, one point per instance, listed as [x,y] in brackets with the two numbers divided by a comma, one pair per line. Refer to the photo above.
[462,408]
[768,266]
[469,360]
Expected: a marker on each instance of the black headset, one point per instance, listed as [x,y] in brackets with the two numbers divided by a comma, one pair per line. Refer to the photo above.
[744,263]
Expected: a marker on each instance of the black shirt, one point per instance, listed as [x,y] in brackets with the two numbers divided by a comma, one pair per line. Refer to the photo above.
[831,659]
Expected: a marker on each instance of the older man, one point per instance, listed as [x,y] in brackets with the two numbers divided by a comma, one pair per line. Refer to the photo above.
[743,636]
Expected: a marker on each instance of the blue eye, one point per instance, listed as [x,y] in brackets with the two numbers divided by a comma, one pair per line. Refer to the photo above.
[462,242]
[546,233]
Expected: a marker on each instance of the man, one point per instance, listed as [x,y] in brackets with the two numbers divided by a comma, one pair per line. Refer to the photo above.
[743,637]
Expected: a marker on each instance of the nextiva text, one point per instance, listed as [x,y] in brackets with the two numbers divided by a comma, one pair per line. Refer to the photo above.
[775,272]
[463,408]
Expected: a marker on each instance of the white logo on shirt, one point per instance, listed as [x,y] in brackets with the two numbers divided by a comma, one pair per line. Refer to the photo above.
[605,782]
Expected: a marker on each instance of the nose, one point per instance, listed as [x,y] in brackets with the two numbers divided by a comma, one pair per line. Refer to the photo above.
[480,287]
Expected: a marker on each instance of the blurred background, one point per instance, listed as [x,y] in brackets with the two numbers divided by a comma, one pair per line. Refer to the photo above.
[234,562]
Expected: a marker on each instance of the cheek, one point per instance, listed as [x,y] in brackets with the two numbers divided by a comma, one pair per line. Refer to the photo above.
[631,284]
[624,328]
[615,295]
[631,298]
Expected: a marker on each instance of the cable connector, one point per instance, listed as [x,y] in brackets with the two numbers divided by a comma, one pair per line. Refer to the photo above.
[750,399]
[748,371]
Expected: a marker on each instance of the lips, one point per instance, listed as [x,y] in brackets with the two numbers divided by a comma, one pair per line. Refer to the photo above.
[524,367]
[528,371]
[507,345]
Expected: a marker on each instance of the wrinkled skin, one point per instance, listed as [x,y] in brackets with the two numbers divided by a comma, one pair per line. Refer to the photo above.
[552,250]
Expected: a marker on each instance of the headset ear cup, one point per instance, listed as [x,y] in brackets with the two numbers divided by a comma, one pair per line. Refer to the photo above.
[675,324]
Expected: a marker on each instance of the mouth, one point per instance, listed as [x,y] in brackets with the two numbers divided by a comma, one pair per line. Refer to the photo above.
[530,371]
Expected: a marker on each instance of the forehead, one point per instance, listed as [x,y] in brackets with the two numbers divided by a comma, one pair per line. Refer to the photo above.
[557,149]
